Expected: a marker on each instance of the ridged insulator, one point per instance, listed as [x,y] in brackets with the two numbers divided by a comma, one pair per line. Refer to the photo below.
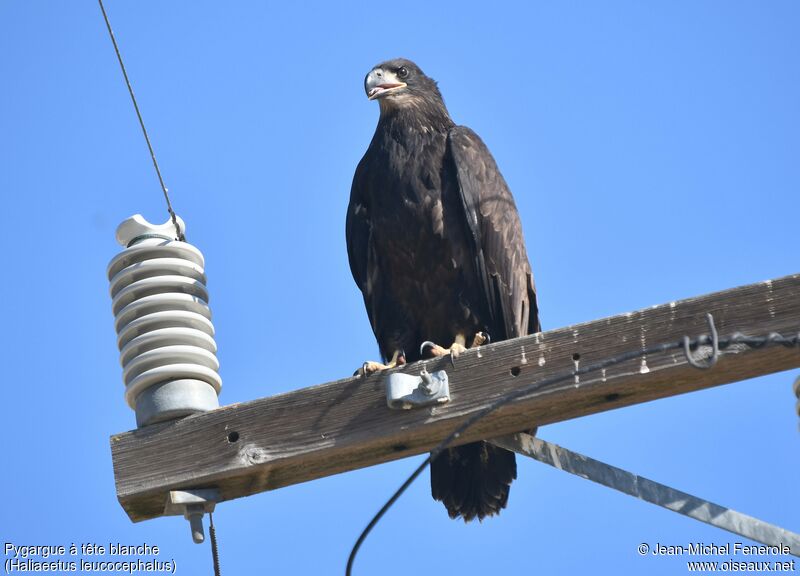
[797,393]
[163,323]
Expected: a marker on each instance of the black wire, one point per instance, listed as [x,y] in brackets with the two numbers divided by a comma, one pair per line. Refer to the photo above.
[383,510]
[178,231]
[722,344]
[212,532]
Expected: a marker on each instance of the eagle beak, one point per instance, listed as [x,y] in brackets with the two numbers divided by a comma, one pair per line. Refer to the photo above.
[379,83]
[381,89]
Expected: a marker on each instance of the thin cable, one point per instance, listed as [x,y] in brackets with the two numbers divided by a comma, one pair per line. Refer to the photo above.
[212,532]
[178,231]
[722,344]
[383,510]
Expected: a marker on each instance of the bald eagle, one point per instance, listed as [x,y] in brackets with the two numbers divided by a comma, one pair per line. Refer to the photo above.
[436,248]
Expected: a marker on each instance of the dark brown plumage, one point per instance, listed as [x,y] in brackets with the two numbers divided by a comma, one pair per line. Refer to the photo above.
[435,245]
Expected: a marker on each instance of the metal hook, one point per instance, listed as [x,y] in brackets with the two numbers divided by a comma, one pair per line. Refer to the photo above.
[714,345]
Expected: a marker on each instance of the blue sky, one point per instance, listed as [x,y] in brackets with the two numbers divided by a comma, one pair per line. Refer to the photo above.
[652,149]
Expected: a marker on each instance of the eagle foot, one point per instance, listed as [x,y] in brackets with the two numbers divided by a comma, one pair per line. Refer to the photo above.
[369,367]
[480,339]
[455,349]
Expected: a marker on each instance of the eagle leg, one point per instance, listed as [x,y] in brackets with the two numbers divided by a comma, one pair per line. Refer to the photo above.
[370,367]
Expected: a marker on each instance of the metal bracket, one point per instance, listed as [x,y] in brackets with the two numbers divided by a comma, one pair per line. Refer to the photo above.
[406,391]
[192,504]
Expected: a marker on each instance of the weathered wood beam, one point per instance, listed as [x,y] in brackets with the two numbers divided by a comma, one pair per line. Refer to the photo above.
[344,425]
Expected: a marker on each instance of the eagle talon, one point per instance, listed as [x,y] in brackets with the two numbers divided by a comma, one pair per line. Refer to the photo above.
[425,345]
[434,349]
[455,351]
[437,351]
[370,367]
[480,339]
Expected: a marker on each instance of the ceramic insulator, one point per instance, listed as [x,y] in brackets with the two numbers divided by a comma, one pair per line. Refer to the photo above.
[163,323]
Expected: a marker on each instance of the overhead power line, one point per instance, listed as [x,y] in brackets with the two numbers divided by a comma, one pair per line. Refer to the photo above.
[178,230]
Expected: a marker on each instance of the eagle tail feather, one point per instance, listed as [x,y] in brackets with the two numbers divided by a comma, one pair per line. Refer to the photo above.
[473,480]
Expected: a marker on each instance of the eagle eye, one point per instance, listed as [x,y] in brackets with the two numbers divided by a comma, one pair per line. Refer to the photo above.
[402,72]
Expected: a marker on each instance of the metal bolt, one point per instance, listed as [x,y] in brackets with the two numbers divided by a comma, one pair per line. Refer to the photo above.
[194,514]
[427,384]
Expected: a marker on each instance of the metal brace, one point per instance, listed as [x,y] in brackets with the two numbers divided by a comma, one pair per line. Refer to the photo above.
[650,491]
[192,504]
[406,391]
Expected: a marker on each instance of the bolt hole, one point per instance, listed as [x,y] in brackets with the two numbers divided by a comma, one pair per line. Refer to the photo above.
[515,371]
[612,397]
[233,437]
[399,447]
[576,356]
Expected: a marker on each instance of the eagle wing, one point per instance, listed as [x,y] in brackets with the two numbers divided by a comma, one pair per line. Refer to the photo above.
[495,236]
[357,232]
[473,480]
[360,248]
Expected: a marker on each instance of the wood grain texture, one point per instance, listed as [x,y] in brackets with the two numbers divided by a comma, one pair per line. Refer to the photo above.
[345,425]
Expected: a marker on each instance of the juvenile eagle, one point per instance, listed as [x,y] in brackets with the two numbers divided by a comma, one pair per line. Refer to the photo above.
[435,245]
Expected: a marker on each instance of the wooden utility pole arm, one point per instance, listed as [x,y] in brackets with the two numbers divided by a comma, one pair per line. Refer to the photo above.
[344,425]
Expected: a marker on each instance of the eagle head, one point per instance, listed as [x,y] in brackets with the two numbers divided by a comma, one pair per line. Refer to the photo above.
[400,83]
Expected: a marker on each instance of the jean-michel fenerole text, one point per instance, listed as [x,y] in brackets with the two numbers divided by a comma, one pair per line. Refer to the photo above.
[729,549]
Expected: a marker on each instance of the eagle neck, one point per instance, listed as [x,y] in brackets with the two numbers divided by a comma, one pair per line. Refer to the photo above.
[415,121]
